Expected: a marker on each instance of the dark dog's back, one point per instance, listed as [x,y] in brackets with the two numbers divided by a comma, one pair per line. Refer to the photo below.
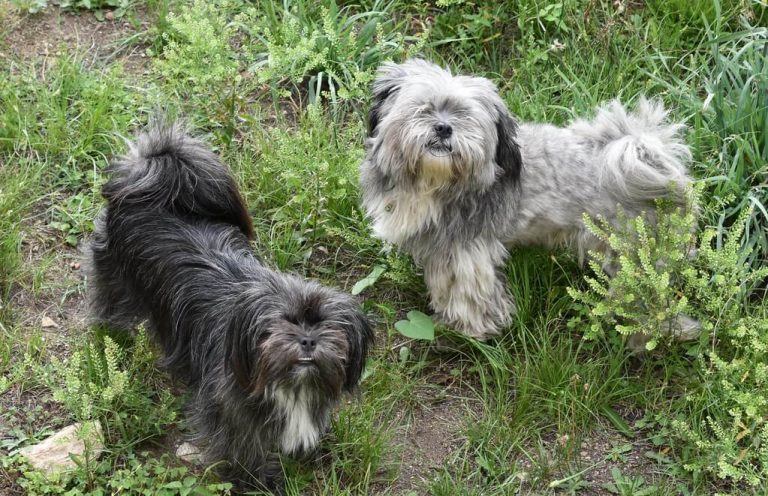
[174,218]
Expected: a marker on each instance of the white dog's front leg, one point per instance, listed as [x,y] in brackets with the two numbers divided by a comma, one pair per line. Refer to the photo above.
[467,290]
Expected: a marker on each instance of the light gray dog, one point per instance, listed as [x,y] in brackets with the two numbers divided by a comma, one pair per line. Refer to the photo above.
[450,178]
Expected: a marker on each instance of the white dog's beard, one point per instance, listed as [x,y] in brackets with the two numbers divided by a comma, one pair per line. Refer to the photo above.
[436,167]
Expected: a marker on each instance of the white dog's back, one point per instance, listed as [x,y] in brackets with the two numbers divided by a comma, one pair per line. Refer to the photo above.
[591,166]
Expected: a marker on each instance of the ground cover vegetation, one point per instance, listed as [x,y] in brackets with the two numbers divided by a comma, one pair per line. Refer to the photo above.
[557,404]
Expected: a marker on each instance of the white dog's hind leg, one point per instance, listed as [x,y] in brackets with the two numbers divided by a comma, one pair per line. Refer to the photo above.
[682,328]
[467,290]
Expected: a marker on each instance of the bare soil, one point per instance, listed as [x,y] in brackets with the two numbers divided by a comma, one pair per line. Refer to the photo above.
[54,32]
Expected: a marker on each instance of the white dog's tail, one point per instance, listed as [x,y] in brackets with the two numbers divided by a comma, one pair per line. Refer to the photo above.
[643,154]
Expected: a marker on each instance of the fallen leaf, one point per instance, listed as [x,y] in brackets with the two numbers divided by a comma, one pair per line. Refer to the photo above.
[48,322]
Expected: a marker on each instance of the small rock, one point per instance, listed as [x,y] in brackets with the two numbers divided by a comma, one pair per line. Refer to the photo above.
[48,322]
[74,266]
[189,453]
[109,16]
[54,454]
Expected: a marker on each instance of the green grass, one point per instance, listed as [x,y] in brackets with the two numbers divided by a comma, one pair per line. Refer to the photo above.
[280,90]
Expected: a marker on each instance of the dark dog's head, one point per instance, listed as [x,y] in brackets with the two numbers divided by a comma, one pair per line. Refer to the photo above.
[428,123]
[315,338]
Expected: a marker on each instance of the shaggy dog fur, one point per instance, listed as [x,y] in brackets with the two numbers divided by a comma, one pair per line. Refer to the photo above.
[451,178]
[266,355]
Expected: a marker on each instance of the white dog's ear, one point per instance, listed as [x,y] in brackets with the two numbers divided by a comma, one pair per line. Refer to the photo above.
[386,84]
[508,156]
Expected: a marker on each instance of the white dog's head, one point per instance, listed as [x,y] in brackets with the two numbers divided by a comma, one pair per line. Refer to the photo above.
[426,123]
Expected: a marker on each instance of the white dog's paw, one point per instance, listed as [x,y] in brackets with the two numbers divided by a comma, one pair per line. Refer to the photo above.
[685,328]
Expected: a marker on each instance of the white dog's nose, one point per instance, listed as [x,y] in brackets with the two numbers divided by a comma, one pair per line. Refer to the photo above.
[443,130]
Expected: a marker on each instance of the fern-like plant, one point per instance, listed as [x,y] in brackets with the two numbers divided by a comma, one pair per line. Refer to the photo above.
[657,279]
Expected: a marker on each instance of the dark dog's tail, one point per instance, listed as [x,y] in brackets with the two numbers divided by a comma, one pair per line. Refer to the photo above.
[167,169]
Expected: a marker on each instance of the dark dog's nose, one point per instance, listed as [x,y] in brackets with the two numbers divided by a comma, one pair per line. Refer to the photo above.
[307,344]
[443,130]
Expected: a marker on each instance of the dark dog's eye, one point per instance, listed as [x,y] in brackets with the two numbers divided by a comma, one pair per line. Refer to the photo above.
[311,317]
[291,318]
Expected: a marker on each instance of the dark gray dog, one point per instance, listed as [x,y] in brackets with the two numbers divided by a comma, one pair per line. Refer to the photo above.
[267,355]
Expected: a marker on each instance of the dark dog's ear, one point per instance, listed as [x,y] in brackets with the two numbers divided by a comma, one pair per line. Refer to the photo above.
[244,335]
[240,356]
[385,85]
[507,150]
[360,337]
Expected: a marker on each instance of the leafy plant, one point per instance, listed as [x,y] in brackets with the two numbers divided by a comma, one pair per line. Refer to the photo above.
[552,15]
[139,473]
[643,297]
[161,476]
[199,60]
[334,50]
[31,6]
[119,6]
[75,217]
[368,280]
[628,486]
[104,381]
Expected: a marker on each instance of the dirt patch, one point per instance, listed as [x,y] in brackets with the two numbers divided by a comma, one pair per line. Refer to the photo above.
[50,295]
[433,435]
[54,32]
[604,451]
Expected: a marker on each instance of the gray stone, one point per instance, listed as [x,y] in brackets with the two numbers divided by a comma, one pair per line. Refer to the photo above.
[54,455]
[189,453]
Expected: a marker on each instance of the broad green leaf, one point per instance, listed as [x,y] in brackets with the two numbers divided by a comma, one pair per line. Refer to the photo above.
[418,326]
[617,420]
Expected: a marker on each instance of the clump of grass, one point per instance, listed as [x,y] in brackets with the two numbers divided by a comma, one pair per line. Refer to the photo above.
[17,179]
[736,121]
[303,184]
[73,117]
[65,127]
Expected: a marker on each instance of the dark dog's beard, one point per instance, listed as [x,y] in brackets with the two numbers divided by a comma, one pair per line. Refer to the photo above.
[282,362]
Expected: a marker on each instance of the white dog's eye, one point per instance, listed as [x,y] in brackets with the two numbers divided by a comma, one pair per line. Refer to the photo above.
[423,109]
